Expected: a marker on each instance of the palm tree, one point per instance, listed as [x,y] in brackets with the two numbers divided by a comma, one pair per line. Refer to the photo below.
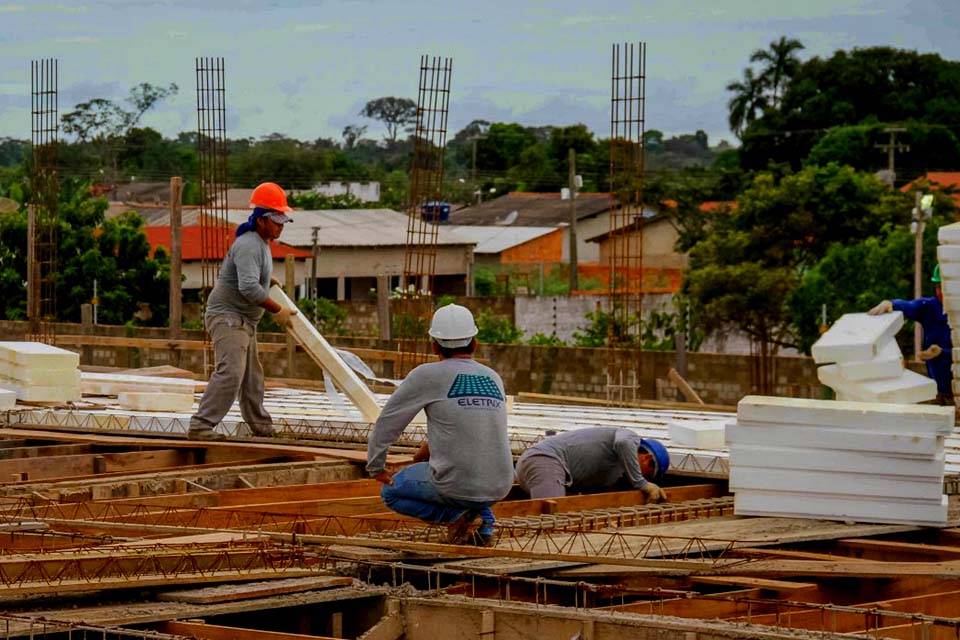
[748,97]
[780,64]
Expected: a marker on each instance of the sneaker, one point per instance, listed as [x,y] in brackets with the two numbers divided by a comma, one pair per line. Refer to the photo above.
[205,434]
[460,529]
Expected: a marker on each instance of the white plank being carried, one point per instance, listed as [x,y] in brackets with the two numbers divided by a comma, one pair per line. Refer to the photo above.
[37,354]
[801,436]
[894,418]
[836,483]
[887,364]
[861,509]
[910,387]
[856,336]
[328,358]
[843,461]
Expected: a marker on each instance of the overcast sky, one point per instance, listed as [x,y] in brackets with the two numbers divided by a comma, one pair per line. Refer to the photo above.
[305,69]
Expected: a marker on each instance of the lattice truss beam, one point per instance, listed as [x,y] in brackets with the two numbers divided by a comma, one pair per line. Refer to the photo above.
[625,245]
[43,219]
[426,186]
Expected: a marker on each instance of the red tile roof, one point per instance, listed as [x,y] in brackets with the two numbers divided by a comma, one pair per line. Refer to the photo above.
[949,179]
[191,249]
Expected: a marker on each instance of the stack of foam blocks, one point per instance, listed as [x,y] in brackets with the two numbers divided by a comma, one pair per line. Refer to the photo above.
[141,393]
[37,372]
[851,461]
[948,255]
[866,363]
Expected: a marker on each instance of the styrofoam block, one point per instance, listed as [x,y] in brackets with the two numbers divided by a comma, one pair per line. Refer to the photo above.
[950,286]
[887,364]
[842,461]
[697,434]
[835,483]
[951,303]
[861,509]
[27,375]
[40,393]
[856,336]
[895,418]
[326,356]
[150,401]
[39,355]
[949,234]
[8,398]
[909,387]
[111,384]
[948,253]
[950,270]
[792,435]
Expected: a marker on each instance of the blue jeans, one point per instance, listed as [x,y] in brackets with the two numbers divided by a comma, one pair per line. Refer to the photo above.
[413,494]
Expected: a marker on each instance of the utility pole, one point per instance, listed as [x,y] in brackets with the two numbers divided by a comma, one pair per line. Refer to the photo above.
[891,148]
[176,256]
[315,231]
[574,276]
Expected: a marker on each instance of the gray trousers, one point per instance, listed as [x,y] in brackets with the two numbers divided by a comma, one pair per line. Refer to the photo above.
[541,476]
[237,372]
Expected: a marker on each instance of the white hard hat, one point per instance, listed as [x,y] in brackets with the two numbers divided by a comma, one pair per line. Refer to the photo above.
[453,326]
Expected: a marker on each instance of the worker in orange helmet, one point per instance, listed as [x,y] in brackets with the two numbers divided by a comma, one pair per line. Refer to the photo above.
[234,308]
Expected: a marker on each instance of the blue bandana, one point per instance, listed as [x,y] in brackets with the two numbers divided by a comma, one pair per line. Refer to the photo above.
[251,222]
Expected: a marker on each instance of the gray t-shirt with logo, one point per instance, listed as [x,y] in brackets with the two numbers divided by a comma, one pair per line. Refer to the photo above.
[244,279]
[466,411]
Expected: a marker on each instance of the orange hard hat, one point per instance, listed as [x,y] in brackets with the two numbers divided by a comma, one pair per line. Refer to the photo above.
[270,195]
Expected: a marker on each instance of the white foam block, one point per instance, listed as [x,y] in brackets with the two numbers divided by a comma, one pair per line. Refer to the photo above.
[28,375]
[950,270]
[802,437]
[697,434]
[949,234]
[37,354]
[947,253]
[889,464]
[908,388]
[111,384]
[856,337]
[836,483]
[950,286]
[8,399]
[40,393]
[951,304]
[149,401]
[861,509]
[887,364]
[877,417]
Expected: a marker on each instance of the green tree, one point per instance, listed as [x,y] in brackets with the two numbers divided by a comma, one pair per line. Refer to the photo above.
[396,114]
[747,99]
[780,63]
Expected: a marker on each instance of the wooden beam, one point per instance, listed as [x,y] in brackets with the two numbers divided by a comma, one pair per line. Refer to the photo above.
[233,592]
[893,550]
[723,605]
[780,586]
[10,453]
[684,386]
[545,398]
[606,500]
[216,632]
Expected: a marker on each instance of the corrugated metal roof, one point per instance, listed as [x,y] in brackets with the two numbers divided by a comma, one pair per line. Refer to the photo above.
[523,209]
[349,228]
[498,239]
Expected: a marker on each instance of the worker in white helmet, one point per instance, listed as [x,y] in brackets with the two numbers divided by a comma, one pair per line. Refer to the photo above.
[466,464]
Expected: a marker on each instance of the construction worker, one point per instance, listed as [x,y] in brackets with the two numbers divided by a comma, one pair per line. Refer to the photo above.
[466,465]
[592,460]
[234,308]
[937,340]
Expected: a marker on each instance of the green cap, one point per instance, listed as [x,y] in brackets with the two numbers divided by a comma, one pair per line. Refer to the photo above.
[936,275]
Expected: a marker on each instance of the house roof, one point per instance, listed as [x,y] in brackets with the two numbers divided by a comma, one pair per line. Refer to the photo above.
[950,179]
[493,240]
[649,217]
[349,228]
[191,245]
[532,210]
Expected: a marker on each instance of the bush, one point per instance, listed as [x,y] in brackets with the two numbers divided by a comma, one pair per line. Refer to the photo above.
[496,329]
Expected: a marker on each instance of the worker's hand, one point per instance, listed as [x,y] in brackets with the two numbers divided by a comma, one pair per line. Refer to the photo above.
[884,307]
[384,477]
[930,353]
[275,283]
[653,493]
[283,316]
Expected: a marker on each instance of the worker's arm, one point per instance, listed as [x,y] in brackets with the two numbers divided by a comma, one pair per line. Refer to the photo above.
[626,443]
[911,309]
[403,405]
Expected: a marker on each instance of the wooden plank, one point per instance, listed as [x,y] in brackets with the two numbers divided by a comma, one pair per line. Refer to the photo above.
[893,550]
[546,398]
[606,500]
[11,453]
[88,464]
[780,586]
[320,491]
[217,632]
[723,605]
[684,386]
[233,592]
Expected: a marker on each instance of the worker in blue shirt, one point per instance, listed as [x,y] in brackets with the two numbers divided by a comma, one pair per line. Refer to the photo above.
[937,341]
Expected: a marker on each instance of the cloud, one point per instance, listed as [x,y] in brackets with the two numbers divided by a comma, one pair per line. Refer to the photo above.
[177,35]
[311,28]
[78,40]
[12,8]
[579,21]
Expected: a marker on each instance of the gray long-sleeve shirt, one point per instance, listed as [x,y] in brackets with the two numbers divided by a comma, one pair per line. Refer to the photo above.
[594,459]
[466,411]
[244,279]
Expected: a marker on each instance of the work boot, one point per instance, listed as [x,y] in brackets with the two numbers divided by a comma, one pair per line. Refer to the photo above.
[208,435]
[479,539]
[460,528]
[263,430]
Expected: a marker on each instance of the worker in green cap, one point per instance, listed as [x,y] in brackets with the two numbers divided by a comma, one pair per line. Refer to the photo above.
[937,341]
